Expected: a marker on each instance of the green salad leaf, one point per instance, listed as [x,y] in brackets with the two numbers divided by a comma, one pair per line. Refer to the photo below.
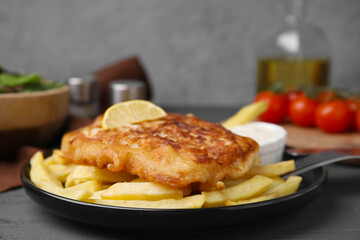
[14,80]
[10,83]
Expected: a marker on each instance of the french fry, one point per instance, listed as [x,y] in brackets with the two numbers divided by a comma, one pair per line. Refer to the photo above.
[61,171]
[232,182]
[276,182]
[42,177]
[91,186]
[106,186]
[252,187]
[279,188]
[77,194]
[246,114]
[101,186]
[272,170]
[49,160]
[39,173]
[290,186]
[194,201]
[56,158]
[87,173]
[140,180]
[97,194]
[250,200]
[141,191]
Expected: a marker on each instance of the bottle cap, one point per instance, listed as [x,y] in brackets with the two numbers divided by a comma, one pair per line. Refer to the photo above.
[125,90]
[83,89]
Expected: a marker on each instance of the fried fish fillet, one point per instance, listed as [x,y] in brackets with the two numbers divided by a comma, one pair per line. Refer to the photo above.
[175,150]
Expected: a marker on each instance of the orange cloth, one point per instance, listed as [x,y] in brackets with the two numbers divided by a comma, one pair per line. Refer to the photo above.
[10,171]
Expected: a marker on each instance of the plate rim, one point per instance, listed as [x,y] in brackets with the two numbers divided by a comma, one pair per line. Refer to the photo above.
[313,186]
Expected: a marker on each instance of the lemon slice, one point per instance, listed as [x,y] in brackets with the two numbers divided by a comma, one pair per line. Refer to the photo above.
[130,112]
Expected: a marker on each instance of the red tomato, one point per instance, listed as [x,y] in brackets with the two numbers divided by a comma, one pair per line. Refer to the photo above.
[277,109]
[302,111]
[357,120]
[334,116]
[327,95]
[292,95]
[354,105]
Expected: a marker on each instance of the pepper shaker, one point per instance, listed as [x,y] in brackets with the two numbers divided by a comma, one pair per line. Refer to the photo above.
[84,96]
[125,90]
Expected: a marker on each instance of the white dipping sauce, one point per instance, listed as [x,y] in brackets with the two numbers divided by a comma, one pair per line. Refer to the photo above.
[271,138]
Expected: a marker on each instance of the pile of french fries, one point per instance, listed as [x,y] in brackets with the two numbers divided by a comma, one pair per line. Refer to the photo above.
[101,186]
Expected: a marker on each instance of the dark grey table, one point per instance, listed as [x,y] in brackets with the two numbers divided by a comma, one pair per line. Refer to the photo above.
[334,214]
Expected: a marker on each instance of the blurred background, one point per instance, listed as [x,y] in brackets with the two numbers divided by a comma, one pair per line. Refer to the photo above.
[196,52]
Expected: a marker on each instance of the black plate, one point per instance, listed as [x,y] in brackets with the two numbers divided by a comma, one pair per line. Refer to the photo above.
[173,219]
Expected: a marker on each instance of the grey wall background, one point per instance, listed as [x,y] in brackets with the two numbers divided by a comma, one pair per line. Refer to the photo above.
[197,52]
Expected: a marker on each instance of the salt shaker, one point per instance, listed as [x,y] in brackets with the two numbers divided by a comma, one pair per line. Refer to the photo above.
[125,90]
[84,96]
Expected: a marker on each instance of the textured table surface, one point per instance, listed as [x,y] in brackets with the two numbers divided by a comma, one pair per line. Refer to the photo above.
[334,214]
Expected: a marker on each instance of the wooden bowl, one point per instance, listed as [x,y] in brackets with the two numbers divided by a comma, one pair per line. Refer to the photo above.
[31,118]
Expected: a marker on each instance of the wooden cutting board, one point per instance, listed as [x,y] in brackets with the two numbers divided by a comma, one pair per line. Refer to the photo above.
[301,137]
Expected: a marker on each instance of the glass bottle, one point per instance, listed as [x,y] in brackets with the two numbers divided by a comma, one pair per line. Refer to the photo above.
[296,56]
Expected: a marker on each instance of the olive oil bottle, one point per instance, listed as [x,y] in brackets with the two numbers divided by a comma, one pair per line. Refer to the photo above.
[298,55]
[292,73]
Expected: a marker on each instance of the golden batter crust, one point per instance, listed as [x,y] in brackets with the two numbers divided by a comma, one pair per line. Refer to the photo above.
[175,150]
